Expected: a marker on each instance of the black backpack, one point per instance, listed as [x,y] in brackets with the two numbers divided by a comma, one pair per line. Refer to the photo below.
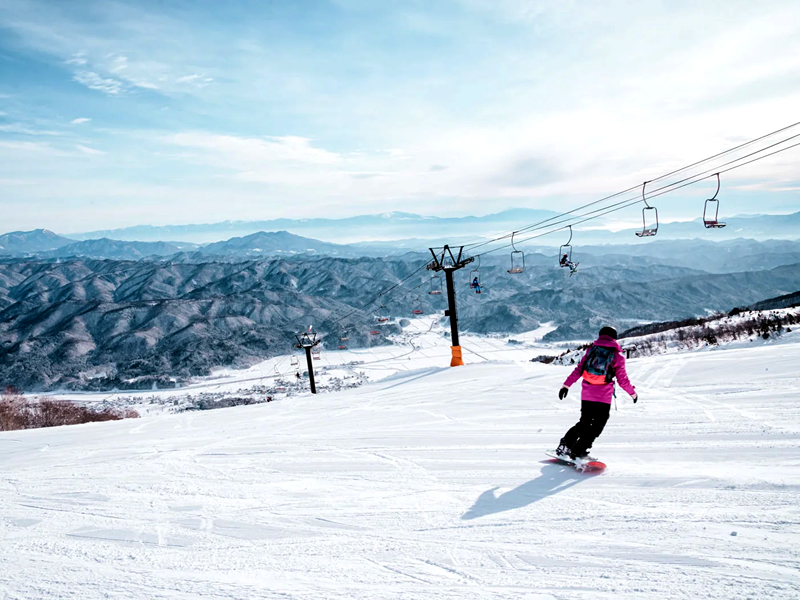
[598,368]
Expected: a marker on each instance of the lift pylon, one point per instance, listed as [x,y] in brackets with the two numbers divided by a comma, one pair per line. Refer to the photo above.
[307,341]
[445,260]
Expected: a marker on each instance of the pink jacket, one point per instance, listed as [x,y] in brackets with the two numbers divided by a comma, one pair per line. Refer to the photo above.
[602,393]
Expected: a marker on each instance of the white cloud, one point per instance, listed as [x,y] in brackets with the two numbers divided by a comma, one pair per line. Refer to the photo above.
[80,120]
[77,60]
[195,80]
[35,148]
[88,150]
[93,81]
[238,153]
[22,129]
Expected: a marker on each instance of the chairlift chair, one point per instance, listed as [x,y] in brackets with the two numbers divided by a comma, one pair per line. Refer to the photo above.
[341,347]
[565,250]
[517,258]
[436,286]
[383,313]
[374,332]
[712,204]
[652,211]
[417,310]
[315,352]
[475,278]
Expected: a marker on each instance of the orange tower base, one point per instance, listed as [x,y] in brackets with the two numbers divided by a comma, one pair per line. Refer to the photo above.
[456,361]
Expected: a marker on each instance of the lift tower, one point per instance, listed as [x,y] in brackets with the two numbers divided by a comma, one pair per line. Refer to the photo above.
[445,260]
[307,341]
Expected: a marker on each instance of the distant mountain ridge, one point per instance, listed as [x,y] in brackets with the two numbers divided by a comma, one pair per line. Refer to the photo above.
[384,226]
[28,242]
[388,227]
[117,250]
[265,243]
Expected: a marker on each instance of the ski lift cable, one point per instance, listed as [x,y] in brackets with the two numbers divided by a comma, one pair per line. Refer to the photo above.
[656,179]
[658,191]
[606,198]
[379,296]
[630,202]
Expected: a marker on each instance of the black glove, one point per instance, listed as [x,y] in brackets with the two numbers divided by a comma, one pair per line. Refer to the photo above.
[635,398]
[562,393]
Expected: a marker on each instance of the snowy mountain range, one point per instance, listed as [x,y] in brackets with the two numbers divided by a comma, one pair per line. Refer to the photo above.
[110,323]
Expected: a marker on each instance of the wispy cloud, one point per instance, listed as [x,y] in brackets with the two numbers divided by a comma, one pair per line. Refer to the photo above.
[195,79]
[89,150]
[111,87]
[237,152]
[80,120]
[25,130]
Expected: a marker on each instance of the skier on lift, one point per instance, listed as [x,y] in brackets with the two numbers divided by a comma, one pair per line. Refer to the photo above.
[566,262]
[476,285]
[600,364]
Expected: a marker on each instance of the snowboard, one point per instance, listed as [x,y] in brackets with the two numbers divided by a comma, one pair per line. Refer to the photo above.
[592,466]
[571,273]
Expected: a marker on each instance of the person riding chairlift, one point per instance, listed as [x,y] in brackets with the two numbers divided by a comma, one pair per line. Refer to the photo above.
[475,285]
[566,262]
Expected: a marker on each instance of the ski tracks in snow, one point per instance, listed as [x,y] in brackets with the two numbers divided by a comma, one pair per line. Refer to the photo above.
[423,488]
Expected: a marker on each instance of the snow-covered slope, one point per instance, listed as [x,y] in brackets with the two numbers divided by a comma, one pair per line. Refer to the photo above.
[429,484]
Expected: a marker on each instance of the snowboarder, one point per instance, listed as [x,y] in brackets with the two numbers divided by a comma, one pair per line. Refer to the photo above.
[566,262]
[476,286]
[601,363]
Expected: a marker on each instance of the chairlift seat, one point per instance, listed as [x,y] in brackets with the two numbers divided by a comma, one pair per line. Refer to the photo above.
[517,258]
[708,221]
[714,224]
[652,229]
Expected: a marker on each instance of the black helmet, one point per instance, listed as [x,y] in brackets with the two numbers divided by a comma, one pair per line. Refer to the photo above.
[609,331]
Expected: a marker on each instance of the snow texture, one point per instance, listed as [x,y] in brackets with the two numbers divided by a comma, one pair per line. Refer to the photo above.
[429,484]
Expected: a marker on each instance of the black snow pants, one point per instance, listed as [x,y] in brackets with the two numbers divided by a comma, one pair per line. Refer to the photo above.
[583,434]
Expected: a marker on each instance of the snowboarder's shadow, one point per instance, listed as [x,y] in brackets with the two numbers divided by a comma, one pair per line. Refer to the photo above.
[554,478]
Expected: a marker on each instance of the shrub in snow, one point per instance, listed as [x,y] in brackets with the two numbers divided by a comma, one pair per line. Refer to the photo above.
[17,412]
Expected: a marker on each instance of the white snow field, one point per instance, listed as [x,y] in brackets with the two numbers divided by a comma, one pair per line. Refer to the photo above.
[420,344]
[430,484]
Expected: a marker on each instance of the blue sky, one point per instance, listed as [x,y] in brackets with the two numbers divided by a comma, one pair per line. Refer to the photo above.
[151,112]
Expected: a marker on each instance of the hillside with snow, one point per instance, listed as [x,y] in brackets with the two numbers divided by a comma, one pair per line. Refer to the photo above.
[424,482]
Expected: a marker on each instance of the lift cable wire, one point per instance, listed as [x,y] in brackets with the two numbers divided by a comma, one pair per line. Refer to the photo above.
[380,294]
[636,187]
[656,192]
[632,201]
